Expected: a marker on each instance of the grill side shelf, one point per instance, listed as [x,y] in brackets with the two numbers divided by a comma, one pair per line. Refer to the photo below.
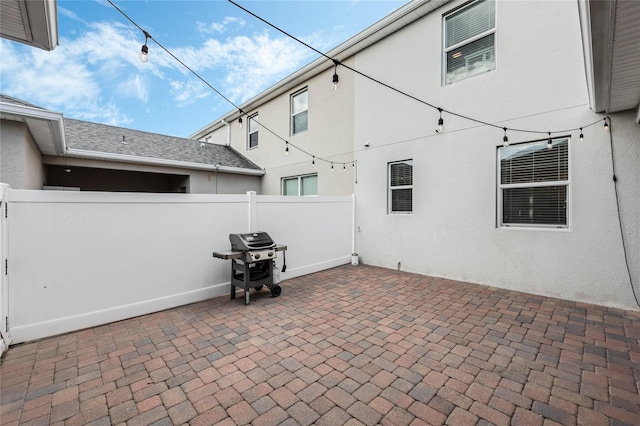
[233,254]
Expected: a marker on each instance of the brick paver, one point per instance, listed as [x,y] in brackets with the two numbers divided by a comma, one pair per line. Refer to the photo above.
[351,345]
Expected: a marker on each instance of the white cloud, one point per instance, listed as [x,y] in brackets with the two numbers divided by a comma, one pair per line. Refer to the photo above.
[218,27]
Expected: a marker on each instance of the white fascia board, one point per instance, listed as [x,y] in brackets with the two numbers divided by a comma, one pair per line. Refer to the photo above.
[95,155]
[587,48]
[393,22]
[24,112]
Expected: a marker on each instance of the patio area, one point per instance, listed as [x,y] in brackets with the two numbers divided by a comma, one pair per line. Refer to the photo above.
[349,345]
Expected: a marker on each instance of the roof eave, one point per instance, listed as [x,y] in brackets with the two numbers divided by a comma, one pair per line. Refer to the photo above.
[106,156]
[56,137]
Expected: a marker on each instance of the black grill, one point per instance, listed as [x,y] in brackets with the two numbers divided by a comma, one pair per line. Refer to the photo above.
[252,258]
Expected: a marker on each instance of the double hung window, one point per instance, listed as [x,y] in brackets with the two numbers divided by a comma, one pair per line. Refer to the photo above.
[469,40]
[400,196]
[300,185]
[300,112]
[533,185]
[253,131]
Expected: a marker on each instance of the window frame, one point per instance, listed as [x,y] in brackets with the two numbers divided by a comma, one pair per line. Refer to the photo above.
[299,179]
[446,50]
[292,115]
[391,188]
[251,118]
[567,183]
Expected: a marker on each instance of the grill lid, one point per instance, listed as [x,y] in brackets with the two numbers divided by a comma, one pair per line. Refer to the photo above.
[251,241]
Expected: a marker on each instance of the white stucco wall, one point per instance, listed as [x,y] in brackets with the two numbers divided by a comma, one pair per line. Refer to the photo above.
[20,159]
[539,83]
[330,136]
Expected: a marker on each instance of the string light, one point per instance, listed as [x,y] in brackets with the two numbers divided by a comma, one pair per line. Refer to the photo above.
[581,135]
[313,161]
[606,125]
[240,122]
[286,149]
[505,139]
[144,52]
[549,142]
[335,83]
[331,166]
[440,122]
[344,167]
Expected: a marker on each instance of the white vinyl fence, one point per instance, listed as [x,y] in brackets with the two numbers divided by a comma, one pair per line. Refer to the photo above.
[80,259]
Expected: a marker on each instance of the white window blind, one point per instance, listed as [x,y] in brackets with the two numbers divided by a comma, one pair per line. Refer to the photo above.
[401,187]
[534,184]
[469,41]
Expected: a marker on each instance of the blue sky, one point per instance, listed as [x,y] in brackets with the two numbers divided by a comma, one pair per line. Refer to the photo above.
[95,74]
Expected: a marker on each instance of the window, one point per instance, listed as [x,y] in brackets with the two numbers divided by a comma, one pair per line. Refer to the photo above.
[400,198]
[469,40]
[299,112]
[253,131]
[300,185]
[533,185]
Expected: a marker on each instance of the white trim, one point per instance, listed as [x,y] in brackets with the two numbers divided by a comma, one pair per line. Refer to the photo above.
[24,112]
[81,153]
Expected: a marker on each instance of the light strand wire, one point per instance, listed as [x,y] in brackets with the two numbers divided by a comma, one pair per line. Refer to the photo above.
[388,86]
[216,90]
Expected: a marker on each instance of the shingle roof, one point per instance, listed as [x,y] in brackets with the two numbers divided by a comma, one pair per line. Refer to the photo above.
[11,100]
[87,136]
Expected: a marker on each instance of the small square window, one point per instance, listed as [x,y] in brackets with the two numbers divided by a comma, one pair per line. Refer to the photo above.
[300,112]
[469,41]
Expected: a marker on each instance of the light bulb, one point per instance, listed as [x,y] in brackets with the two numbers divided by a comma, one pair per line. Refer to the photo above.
[144,53]
[286,150]
[581,135]
[440,128]
[606,125]
[313,162]
[239,122]
[331,166]
[549,142]
[505,139]
[335,84]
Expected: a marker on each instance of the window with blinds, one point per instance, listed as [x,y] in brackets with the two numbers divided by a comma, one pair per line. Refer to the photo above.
[253,131]
[469,40]
[300,112]
[305,185]
[533,184]
[400,198]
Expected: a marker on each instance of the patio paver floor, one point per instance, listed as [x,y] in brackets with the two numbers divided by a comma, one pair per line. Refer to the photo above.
[350,345]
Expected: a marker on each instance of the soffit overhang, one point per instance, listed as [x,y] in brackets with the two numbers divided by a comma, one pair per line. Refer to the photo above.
[611,34]
[32,22]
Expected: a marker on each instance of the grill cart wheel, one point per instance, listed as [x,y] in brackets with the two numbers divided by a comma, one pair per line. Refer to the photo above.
[276,290]
[258,288]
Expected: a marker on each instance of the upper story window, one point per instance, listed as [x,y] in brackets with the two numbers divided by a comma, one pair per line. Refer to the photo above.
[533,185]
[469,40]
[300,185]
[252,128]
[400,198]
[300,111]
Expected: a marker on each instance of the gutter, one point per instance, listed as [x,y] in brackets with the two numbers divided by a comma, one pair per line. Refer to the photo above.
[81,153]
[388,25]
